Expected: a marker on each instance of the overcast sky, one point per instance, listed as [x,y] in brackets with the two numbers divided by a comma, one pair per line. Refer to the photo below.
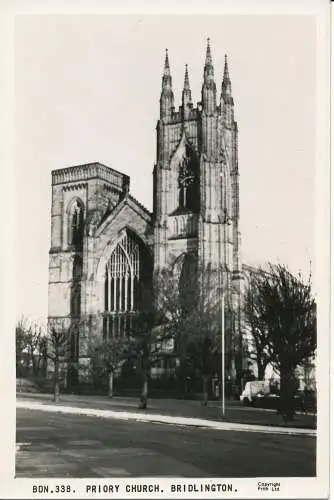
[87,89]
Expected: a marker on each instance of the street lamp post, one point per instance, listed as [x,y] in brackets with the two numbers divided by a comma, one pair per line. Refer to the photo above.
[226,221]
[223,351]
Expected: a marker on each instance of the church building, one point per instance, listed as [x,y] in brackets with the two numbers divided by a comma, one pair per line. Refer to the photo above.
[106,246]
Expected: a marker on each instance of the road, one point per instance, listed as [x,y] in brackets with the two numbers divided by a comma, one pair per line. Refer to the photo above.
[60,445]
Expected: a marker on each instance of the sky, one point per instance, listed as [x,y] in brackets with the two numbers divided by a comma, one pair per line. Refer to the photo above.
[87,89]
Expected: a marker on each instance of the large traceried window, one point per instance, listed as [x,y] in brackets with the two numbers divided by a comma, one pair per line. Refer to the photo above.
[127,287]
[76,224]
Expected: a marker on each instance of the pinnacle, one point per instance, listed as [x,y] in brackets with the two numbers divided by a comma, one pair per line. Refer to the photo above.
[166,91]
[186,79]
[166,68]
[208,58]
[226,72]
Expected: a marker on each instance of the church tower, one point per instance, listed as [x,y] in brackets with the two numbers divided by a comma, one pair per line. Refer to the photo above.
[196,189]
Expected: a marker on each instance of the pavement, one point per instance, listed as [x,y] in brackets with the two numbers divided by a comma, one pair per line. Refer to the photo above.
[51,444]
[175,412]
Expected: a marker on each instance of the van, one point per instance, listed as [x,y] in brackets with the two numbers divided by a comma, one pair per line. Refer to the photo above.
[254,389]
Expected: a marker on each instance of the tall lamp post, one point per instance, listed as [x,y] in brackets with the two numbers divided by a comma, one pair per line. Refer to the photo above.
[223,350]
[223,267]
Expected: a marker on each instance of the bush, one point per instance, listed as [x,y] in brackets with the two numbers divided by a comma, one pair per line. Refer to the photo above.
[34,384]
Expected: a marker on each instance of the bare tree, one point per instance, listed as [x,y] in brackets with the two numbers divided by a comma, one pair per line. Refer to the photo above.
[192,320]
[57,347]
[259,339]
[107,356]
[29,339]
[20,343]
[204,341]
[146,343]
[177,328]
[285,312]
[34,335]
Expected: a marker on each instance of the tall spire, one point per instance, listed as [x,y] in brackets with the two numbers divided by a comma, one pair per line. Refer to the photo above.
[186,94]
[167,96]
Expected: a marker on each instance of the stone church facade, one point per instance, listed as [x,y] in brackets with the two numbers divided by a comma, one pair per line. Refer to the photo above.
[106,247]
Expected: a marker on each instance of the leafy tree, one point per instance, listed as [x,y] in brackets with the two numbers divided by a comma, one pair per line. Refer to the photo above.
[285,312]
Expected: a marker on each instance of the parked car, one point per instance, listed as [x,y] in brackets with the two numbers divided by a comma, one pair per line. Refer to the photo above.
[267,401]
[302,401]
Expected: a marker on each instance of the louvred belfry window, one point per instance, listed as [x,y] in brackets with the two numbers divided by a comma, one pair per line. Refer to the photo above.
[188,184]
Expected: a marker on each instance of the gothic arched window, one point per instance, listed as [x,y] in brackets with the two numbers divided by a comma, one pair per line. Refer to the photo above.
[127,277]
[76,220]
[188,182]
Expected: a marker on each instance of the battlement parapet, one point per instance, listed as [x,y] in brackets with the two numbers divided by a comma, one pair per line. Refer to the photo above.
[91,171]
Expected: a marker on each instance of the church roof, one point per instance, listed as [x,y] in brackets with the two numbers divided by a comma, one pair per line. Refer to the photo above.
[130,201]
[181,211]
[139,204]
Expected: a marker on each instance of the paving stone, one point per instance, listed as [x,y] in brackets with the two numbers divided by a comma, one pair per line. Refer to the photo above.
[111,472]
[85,442]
